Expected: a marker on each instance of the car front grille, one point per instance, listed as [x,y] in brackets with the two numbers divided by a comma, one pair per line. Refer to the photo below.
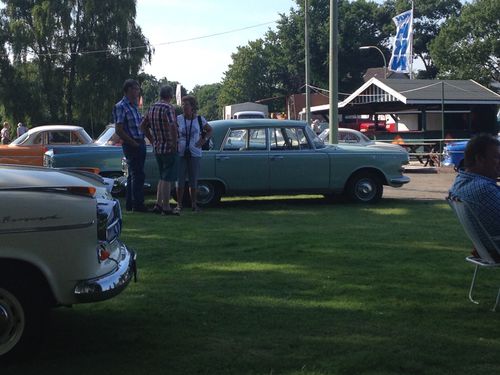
[109,220]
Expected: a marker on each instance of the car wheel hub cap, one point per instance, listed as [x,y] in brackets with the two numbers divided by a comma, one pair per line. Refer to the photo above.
[11,321]
[365,190]
[204,193]
[4,320]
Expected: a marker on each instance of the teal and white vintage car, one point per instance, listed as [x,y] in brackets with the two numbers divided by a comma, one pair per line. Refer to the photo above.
[104,154]
[270,157]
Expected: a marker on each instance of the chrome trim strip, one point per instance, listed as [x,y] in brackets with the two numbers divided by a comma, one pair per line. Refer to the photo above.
[115,222]
[47,229]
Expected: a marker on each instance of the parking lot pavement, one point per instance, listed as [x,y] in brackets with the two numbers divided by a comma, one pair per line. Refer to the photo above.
[428,184]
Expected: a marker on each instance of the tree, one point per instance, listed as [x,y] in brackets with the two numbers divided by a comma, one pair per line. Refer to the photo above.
[150,88]
[246,78]
[82,50]
[207,100]
[468,46]
[360,23]
[275,65]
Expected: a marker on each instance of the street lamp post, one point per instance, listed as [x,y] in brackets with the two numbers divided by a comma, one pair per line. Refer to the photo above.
[383,56]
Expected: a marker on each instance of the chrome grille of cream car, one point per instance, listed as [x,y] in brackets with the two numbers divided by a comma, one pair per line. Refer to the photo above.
[109,220]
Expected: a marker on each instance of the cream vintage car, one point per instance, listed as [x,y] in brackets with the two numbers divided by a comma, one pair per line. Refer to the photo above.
[59,235]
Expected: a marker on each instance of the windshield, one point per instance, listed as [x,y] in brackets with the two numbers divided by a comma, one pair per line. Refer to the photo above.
[364,138]
[317,142]
[249,115]
[108,137]
[20,140]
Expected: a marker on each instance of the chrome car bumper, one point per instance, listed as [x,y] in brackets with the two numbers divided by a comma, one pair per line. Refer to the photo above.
[120,184]
[399,181]
[109,285]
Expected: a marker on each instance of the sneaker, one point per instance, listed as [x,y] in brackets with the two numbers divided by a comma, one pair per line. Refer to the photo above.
[157,209]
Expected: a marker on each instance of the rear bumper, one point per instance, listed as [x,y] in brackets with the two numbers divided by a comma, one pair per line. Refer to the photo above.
[112,284]
[399,181]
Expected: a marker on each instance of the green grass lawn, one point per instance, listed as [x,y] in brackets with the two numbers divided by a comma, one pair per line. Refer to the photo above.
[287,286]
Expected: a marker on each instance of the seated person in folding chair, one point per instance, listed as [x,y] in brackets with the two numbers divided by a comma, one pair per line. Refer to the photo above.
[477,185]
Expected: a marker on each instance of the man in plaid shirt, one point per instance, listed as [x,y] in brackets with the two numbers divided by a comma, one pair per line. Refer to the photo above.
[477,185]
[160,127]
[127,119]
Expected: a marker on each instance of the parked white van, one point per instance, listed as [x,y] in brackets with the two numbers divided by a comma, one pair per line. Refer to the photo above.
[249,114]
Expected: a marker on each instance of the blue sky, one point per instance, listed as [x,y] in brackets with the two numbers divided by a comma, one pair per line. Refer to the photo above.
[202,61]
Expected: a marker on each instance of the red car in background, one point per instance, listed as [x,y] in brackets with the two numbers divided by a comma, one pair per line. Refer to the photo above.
[366,123]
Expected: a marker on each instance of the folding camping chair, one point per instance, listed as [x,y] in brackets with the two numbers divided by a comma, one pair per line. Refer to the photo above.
[481,239]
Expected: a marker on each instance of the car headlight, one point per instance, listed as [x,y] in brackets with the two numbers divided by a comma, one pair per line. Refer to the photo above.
[446,153]
[124,166]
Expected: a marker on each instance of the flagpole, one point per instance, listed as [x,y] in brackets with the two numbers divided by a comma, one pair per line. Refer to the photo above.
[411,40]
[308,68]
[334,73]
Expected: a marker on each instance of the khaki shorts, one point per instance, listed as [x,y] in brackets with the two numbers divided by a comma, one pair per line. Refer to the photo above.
[168,165]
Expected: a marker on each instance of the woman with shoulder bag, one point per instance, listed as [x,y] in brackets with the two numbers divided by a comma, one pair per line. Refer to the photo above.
[194,132]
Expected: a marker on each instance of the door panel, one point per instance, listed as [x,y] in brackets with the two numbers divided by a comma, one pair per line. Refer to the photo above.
[243,163]
[294,165]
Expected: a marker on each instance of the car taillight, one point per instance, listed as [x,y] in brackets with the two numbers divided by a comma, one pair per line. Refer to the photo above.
[89,169]
[102,253]
[47,161]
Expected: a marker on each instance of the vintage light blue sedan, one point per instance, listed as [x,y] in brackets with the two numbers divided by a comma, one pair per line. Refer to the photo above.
[270,157]
[105,154]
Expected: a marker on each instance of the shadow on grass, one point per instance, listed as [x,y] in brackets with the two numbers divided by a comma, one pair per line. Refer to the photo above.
[296,287]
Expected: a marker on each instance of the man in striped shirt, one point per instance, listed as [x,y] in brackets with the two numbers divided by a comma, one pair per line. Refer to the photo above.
[160,127]
[127,119]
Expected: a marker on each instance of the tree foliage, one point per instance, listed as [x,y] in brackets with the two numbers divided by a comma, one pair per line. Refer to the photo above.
[247,78]
[65,61]
[275,66]
[468,46]
[207,100]
[150,90]
[72,57]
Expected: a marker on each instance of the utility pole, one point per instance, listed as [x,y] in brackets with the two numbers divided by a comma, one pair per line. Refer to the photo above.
[334,73]
[308,68]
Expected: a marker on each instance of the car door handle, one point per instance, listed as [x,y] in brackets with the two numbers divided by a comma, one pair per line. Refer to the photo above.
[222,158]
[276,157]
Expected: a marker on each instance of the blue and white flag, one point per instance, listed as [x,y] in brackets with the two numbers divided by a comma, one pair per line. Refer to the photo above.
[401,47]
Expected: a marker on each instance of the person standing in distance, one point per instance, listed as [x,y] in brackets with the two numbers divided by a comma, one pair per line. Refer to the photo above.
[21,129]
[5,133]
[194,132]
[160,127]
[127,119]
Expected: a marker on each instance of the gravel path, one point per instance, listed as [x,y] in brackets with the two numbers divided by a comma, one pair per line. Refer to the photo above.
[424,185]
